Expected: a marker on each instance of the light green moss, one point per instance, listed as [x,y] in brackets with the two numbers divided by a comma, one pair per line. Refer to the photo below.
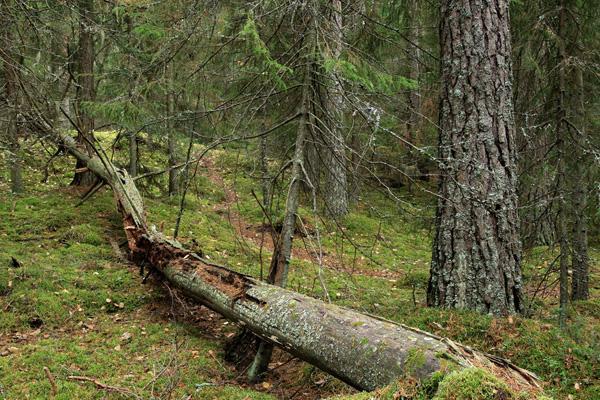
[60,277]
[415,360]
[84,233]
[473,384]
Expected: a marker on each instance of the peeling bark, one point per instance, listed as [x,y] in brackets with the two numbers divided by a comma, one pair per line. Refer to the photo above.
[362,350]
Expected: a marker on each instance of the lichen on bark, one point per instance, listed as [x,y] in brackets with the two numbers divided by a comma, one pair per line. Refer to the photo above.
[477,252]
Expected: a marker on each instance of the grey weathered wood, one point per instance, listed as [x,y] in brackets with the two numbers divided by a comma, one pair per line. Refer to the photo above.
[365,351]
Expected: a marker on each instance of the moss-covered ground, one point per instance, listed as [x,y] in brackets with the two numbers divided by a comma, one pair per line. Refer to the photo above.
[75,306]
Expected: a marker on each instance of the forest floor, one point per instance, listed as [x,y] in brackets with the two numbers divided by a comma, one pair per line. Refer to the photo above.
[72,305]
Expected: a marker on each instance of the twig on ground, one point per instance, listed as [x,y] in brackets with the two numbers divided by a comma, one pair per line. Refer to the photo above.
[103,386]
[50,377]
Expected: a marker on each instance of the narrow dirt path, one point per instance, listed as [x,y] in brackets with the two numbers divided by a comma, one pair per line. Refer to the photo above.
[261,236]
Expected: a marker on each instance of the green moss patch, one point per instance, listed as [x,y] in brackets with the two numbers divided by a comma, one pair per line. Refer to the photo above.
[472,384]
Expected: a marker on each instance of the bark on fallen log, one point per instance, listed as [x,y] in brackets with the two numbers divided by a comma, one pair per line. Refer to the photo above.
[365,351]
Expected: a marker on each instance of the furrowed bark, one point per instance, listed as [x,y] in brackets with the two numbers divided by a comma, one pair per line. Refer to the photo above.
[363,351]
[476,258]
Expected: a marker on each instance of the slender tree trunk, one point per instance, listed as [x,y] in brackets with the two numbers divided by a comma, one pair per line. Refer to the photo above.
[561,223]
[281,261]
[282,255]
[411,169]
[63,121]
[477,252]
[580,258]
[264,170]
[561,176]
[312,160]
[16,170]
[171,139]
[336,190]
[414,96]
[133,153]
[10,62]
[564,245]
[354,181]
[85,87]
[57,60]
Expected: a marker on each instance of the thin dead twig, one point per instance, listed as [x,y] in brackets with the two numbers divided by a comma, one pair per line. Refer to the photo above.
[103,386]
[50,377]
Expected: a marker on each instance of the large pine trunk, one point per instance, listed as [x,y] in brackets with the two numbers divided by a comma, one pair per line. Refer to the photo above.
[362,350]
[476,253]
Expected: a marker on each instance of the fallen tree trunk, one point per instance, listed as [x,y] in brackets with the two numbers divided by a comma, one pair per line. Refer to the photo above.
[362,350]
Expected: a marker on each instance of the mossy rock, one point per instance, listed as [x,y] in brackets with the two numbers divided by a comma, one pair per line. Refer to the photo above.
[473,384]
